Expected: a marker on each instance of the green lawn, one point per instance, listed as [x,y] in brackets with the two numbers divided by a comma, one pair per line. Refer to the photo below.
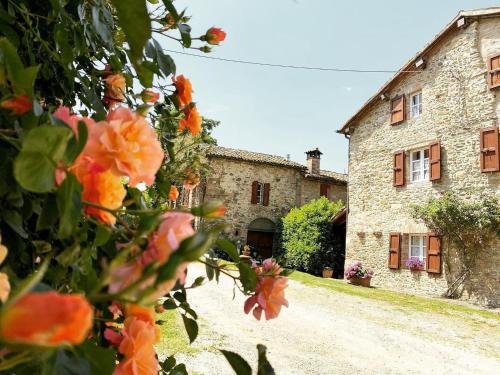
[433,305]
[174,338]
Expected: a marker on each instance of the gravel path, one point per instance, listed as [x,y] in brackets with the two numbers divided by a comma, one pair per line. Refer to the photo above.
[325,332]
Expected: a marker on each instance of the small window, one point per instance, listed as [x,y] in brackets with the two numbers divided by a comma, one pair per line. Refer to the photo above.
[416,104]
[417,248]
[260,193]
[419,165]
[494,71]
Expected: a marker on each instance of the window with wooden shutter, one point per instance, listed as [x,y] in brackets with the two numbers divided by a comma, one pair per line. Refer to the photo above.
[394,249]
[494,71]
[323,190]
[435,161]
[433,253]
[399,168]
[265,199]
[489,149]
[255,186]
[398,110]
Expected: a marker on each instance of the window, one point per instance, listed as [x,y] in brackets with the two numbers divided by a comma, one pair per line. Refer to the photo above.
[419,165]
[416,104]
[260,193]
[494,71]
[417,247]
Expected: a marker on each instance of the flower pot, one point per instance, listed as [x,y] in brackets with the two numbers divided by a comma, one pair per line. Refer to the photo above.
[327,273]
[360,281]
[416,269]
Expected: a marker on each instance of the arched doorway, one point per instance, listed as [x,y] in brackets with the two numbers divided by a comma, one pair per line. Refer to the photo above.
[260,237]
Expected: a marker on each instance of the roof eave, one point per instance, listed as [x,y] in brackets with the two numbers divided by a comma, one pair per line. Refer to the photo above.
[403,70]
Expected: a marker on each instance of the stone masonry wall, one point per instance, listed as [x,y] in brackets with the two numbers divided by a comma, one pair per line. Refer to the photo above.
[456,104]
[231,182]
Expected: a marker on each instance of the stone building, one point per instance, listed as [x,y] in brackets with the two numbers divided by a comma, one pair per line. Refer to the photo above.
[258,189]
[430,129]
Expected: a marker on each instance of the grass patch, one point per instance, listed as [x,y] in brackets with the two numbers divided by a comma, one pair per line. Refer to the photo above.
[395,298]
[174,338]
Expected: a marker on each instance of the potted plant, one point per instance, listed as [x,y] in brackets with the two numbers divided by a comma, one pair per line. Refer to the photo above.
[327,272]
[358,275]
[415,264]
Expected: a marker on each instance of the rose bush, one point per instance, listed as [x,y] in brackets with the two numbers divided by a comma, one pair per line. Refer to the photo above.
[98,134]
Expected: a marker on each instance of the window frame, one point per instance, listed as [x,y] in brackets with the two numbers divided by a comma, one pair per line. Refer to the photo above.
[259,196]
[419,106]
[422,246]
[492,71]
[422,168]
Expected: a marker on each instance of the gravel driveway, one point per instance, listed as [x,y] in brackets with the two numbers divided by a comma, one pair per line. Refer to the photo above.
[325,332]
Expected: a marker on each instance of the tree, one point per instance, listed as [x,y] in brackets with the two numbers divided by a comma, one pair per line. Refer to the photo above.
[468,226]
[307,236]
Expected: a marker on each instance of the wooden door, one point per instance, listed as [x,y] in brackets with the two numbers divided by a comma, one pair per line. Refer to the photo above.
[261,243]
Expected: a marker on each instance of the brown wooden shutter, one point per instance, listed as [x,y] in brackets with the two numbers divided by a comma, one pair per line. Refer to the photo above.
[394,249]
[255,185]
[323,190]
[435,161]
[433,253]
[489,149]
[399,168]
[398,110]
[494,71]
[265,200]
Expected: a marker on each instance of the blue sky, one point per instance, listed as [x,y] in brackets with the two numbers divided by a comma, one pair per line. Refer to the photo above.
[280,111]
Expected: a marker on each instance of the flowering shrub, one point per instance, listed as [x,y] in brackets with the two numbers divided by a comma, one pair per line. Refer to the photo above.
[415,264]
[357,270]
[91,110]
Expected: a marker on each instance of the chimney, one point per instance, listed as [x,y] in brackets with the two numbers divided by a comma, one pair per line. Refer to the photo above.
[313,159]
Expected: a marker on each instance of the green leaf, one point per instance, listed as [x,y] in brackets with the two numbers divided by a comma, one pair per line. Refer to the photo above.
[238,364]
[69,203]
[180,369]
[102,235]
[66,365]
[264,367]
[70,255]
[42,247]
[168,363]
[135,22]
[49,214]
[248,277]
[165,62]
[198,282]
[76,144]
[185,31]
[191,328]
[64,48]
[169,304]
[229,248]
[42,149]
[15,221]
[171,9]
[101,360]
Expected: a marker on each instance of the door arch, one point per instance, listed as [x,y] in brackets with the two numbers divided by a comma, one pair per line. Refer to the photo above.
[260,237]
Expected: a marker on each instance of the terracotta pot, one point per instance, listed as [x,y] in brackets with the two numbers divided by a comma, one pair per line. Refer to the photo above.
[361,281]
[327,273]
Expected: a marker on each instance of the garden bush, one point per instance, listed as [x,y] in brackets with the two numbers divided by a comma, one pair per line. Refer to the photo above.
[96,130]
[307,238]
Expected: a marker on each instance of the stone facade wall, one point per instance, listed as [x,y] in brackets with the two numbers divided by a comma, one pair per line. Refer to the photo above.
[456,104]
[231,182]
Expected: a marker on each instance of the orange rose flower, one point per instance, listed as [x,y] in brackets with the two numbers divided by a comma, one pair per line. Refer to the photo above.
[269,297]
[173,194]
[145,314]
[4,287]
[100,187]
[18,104]
[175,227]
[115,90]
[137,348]
[183,90]
[192,180]
[191,121]
[64,114]
[149,96]
[128,145]
[46,319]
[215,35]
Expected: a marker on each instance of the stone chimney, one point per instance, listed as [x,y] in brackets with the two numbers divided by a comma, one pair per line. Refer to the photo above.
[313,161]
